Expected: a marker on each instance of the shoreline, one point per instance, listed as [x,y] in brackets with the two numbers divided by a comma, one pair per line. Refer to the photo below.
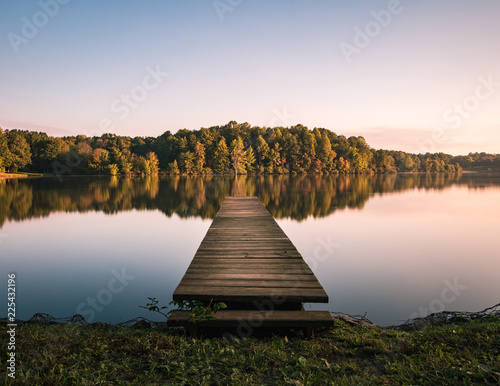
[434,319]
[456,353]
[4,175]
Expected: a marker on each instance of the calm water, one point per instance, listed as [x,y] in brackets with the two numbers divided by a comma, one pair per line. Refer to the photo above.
[385,246]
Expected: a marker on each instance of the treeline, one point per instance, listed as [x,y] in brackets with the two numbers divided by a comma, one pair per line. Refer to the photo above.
[230,149]
[479,161]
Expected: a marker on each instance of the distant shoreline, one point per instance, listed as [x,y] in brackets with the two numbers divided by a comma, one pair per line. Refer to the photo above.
[4,175]
[23,175]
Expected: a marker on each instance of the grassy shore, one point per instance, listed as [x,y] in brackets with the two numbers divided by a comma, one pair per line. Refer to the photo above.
[458,353]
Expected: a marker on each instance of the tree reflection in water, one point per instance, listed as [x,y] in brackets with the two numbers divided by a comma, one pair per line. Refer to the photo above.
[295,197]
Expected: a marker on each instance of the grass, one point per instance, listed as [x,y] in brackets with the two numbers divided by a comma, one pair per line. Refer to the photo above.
[460,354]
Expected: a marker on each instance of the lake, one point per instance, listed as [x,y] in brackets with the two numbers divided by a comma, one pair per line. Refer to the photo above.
[388,247]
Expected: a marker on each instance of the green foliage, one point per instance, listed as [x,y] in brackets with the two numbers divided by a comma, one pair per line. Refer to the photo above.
[453,354]
[477,161]
[186,162]
[251,150]
[220,161]
[153,307]
[19,155]
[5,155]
[173,168]
[238,156]
[250,160]
[262,149]
[113,169]
[199,157]
[147,164]
[199,310]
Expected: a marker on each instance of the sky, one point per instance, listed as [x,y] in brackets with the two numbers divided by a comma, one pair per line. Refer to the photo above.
[412,75]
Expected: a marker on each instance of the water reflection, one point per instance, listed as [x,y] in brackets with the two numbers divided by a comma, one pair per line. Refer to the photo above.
[285,197]
[389,259]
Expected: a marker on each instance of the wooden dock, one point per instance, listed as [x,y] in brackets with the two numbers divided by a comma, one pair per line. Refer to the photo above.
[248,262]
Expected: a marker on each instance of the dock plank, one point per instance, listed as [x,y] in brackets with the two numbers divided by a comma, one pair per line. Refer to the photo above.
[245,256]
[229,318]
[241,294]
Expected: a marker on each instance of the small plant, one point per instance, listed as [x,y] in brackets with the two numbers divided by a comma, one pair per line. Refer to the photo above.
[199,312]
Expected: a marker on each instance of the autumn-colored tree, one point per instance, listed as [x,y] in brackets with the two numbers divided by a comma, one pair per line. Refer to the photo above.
[173,168]
[238,159]
[153,162]
[262,149]
[250,160]
[199,157]
[220,161]
[99,161]
[186,162]
[324,151]
[113,169]
[257,149]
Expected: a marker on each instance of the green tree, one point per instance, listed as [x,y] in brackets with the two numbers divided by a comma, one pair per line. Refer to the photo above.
[173,168]
[220,162]
[343,165]
[5,155]
[199,157]
[292,153]
[113,169]
[308,149]
[324,151]
[125,166]
[20,152]
[250,160]
[153,162]
[384,162]
[275,156]
[186,162]
[262,149]
[99,160]
[238,159]
[50,150]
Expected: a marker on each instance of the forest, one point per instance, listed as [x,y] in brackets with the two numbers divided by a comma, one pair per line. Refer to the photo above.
[230,149]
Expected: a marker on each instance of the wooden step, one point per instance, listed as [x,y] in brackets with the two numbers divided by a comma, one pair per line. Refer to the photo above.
[256,319]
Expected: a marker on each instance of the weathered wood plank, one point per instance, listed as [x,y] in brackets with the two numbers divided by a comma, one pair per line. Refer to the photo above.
[249,276]
[255,319]
[248,265]
[228,261]
[248,294]
[246,256]
[251,283]
[290,271]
